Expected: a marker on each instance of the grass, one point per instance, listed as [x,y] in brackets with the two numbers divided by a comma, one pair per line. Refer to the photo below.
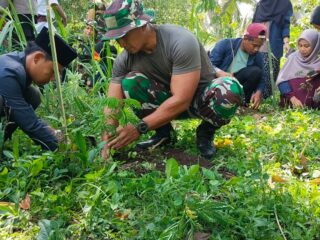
[272,194]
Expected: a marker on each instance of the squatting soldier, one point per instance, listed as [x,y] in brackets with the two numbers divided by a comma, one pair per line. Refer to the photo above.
[167,70]
[19,98]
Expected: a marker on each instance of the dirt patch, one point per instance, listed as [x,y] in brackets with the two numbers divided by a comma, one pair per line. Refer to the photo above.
[143,161]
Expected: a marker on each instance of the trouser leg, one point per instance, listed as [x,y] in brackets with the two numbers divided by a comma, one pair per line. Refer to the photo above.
[249,78]
[32,96]
[151,95]
[216,105]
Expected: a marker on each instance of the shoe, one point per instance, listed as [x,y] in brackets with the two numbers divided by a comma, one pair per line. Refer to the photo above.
[162,137]
[205,135]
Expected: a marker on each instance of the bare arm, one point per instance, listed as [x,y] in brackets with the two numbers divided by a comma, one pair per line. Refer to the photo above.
[60,11]
[183,87]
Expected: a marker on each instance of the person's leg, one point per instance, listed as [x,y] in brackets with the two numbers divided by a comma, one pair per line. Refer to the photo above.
[215,105]
[249,78]
[150,94]
[32,96]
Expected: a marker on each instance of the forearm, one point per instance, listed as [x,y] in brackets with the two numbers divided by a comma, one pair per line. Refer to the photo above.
[167,111]
[60,11]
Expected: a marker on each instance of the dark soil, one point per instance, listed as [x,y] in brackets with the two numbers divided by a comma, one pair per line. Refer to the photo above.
[156,158]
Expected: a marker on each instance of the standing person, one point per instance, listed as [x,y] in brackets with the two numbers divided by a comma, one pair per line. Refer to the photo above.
[42,13]
[275,14]
[315,18]
[299,80]
[19,98]
[240,57]
[167,70]
[26,11]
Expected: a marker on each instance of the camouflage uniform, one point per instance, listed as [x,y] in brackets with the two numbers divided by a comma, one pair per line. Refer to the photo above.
[216,103]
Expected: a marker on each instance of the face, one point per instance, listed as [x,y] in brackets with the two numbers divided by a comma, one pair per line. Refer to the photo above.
[252,46]
[133,40]
[40,69]
[304,47]
[88,31]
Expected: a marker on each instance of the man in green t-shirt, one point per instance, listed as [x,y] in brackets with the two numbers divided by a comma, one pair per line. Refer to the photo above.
[240,57]
[167,70]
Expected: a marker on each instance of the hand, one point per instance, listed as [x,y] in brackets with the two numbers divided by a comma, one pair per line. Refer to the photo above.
[256,99]
[64,21]
[58,134]
[286,47]
[124,136]
[296,103]
[223,74]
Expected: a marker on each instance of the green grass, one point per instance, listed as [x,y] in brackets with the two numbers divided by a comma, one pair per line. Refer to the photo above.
[77,195]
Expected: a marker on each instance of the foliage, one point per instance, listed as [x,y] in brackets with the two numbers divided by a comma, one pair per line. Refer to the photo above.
[272,155]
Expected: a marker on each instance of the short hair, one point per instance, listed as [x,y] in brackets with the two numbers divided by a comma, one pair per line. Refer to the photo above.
[32,47]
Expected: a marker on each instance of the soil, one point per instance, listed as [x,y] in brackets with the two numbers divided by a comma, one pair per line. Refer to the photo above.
[143,161]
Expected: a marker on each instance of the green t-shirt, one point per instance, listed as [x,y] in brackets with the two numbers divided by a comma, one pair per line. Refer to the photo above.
[240,61]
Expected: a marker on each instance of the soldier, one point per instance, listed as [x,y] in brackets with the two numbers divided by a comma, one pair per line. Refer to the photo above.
[167,70]
[19,98]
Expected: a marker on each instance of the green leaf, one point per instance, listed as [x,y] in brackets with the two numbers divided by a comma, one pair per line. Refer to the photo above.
[172,168]
[37,166]
[4,172]
[45,230]
[193,170]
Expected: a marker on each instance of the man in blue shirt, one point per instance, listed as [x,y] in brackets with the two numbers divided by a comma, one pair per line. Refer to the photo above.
[19,98]
[240,58]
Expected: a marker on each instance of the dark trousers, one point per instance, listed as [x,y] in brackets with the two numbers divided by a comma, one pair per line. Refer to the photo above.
[27,27]
[32,96]
[249,78]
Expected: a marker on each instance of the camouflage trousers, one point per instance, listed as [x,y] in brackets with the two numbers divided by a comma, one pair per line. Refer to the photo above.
[215,103]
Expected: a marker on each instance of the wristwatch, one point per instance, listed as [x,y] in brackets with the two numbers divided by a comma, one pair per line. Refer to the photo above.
[142,127]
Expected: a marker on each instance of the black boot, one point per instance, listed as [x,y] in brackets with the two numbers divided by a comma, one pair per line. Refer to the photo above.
[205,134]
[162,137]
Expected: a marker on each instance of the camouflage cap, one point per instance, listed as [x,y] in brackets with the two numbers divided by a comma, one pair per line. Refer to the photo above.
[122,16]
[229,95]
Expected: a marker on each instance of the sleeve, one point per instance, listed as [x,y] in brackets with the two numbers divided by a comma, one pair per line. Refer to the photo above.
[53,2]
[217,54]
[120,67]
[286,26]
[259,63]
[23,114]
[4,3]
[285,88]
[185,54]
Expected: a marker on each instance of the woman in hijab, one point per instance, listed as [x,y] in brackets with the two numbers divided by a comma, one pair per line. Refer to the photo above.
[275,14]
[298,81]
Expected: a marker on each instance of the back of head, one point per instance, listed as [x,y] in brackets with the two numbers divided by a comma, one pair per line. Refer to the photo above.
[315,17]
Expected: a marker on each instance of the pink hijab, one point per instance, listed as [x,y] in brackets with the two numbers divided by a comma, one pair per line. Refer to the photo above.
[298,67]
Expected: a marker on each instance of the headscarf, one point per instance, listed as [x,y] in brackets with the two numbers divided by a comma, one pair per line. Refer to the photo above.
[297,66]
[272,10]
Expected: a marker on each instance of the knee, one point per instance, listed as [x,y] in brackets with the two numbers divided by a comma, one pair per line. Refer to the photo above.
[229,95]
[133,83]
[255,72]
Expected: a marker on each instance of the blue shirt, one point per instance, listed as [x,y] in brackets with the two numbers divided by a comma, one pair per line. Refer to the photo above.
[13,82]
[222,55]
